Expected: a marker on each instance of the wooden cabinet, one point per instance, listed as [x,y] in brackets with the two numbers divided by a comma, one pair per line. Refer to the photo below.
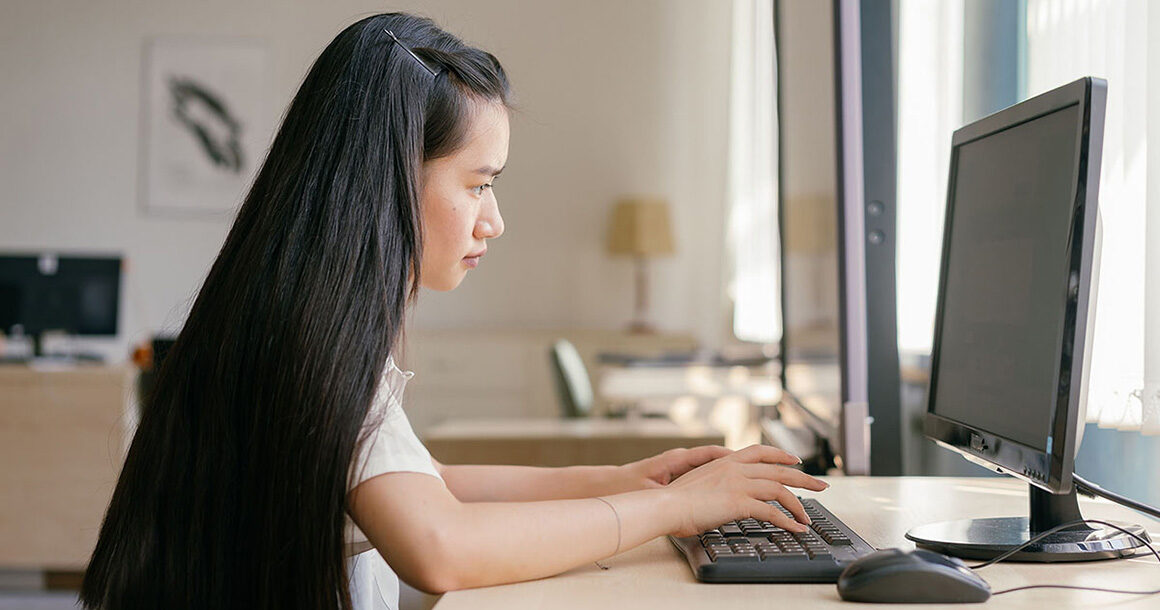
[63,436]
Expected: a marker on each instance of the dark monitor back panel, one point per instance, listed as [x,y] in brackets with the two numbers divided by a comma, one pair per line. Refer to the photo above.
[78,295]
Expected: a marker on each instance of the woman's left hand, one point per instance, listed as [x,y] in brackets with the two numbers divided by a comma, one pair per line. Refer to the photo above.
[660,470]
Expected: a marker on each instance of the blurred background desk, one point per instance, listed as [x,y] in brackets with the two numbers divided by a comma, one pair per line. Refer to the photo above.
[728,395]
[495,373]
[562,442]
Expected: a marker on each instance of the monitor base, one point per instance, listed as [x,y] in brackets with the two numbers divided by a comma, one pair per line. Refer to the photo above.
[988,538]
[991,537]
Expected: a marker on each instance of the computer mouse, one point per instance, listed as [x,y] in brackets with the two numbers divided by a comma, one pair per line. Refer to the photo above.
[911,577]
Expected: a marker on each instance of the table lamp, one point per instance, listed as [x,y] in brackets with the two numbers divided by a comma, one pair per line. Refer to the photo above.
[640,228]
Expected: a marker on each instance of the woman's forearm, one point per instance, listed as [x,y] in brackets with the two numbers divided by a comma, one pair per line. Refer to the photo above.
[438,543]
[529,483]
[510,542]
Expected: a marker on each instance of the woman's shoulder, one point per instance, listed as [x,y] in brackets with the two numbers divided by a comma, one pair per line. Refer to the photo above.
[392,382]
[393,369]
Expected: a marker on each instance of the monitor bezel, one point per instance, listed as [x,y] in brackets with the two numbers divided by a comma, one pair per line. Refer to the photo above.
[1050,470]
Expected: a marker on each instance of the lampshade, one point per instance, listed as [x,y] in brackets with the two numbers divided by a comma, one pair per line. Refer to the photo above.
[640,227]
[810,224]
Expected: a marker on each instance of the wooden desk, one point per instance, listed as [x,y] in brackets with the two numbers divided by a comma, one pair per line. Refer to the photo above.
[881,510]
[561,442]
[63,436]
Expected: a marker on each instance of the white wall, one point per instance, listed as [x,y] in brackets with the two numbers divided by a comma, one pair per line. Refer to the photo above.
[616,98]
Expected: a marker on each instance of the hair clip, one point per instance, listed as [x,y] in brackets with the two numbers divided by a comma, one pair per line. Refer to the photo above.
[411,53]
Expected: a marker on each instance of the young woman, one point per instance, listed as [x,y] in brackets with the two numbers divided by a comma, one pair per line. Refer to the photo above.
[278,416]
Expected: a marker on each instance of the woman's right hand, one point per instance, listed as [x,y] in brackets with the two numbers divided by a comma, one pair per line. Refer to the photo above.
[737,486]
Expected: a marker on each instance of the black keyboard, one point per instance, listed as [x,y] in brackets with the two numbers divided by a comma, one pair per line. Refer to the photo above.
[758,551]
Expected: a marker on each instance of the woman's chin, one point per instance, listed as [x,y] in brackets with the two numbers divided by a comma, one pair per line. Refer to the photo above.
[444,284]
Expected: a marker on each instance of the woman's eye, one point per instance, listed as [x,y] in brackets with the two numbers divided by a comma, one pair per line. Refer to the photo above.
[479,189]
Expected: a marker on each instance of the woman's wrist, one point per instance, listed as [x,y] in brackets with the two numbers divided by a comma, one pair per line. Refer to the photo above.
[667,509]
[644,514]
[610,480]
[629,477]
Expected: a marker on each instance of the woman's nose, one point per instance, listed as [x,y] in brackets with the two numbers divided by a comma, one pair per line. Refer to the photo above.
[490,224]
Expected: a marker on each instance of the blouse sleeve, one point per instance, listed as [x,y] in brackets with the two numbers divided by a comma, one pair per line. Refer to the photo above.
[389,443]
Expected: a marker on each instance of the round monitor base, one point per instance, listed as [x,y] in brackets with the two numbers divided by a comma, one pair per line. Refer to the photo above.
[991,537]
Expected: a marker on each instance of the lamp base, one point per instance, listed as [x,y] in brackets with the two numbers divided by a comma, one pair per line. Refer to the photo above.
[640,324]
[640,327]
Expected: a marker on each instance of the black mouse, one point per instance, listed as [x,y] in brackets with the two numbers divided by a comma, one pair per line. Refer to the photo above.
[911,577]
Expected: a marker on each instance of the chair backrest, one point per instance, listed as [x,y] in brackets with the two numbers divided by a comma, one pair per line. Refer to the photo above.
[572,383]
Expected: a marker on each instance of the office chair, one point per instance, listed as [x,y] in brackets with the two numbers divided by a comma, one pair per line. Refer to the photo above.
[572,383]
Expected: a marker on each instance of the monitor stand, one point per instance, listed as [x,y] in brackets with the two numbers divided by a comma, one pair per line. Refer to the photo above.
[991,537]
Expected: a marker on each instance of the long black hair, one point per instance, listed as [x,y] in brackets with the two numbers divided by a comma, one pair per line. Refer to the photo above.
[233,493]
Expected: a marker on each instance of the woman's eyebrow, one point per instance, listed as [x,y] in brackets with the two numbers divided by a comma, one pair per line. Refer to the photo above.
[487,170]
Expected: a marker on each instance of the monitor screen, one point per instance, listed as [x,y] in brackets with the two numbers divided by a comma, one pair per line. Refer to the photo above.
[1006,278]
[77,295]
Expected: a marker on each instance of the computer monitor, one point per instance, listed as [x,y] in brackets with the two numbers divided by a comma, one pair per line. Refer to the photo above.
[1012,328]
[46,292]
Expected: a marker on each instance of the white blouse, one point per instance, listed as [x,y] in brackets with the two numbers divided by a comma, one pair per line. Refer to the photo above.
[391,446]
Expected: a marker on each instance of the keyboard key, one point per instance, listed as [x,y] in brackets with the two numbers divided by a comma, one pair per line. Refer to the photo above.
[786,555]
[734,557]
[731,529]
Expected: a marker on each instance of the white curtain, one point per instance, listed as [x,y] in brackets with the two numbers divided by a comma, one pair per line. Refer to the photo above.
[930,108]
[752,181]
[1110,39]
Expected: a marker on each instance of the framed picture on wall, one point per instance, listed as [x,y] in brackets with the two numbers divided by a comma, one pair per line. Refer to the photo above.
[204,123]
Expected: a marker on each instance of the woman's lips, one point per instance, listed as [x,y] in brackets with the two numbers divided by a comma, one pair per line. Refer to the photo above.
[472,260]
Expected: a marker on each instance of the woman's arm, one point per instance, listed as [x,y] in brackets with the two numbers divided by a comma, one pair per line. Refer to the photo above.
[529,483]
[438,543]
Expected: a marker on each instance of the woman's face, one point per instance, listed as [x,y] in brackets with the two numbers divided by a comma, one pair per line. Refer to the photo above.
[459,208]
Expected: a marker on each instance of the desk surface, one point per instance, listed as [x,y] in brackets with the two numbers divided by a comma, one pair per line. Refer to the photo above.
[880,509]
